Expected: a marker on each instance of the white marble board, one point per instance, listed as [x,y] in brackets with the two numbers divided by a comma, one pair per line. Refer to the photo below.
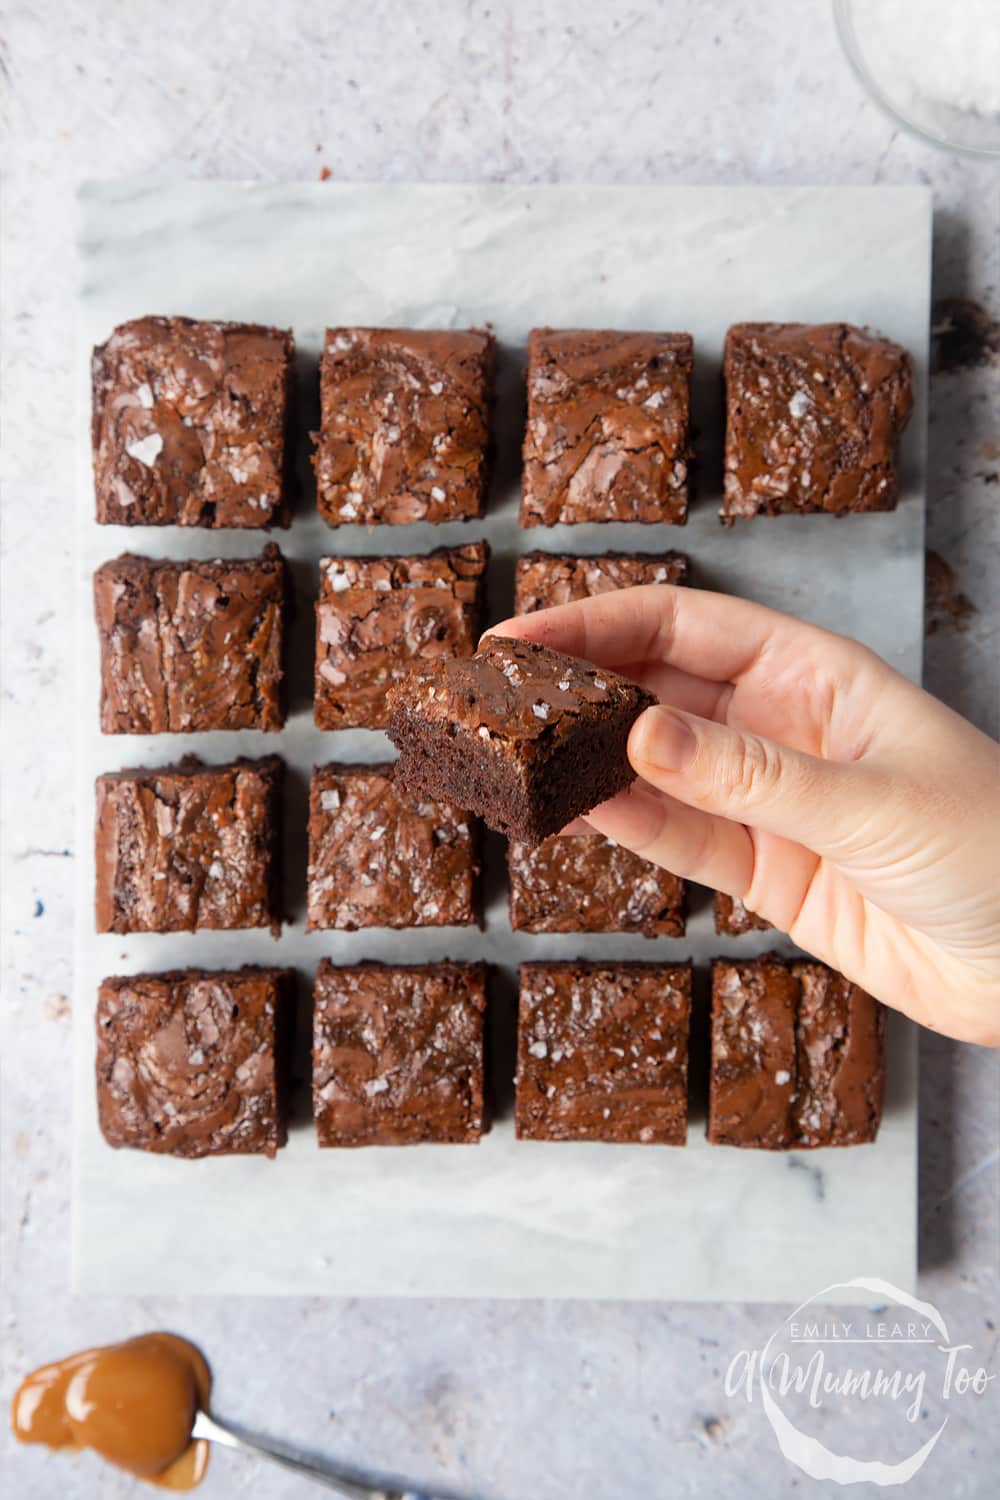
[505,1219]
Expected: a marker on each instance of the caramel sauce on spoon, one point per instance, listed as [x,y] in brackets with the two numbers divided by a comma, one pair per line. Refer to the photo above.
[134,1403]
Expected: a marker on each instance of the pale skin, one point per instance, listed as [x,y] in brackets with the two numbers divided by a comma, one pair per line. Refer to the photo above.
[796,770]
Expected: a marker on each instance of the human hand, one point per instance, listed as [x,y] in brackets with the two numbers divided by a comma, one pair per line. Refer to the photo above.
[794,769]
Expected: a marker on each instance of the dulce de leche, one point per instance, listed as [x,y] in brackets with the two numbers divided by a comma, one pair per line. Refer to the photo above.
[134,1403]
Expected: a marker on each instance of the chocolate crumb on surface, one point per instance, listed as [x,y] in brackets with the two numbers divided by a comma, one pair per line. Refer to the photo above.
[524,737]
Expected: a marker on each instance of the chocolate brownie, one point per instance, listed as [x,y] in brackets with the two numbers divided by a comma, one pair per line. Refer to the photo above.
[587,883]
[798,1056]
[733,919]
[191,424]
[404,428]
[398,1053]
[189,846]
[375,861]
[602,1052]
[376,615]
[608,432]
[814,414]
[191,646]
[196,1062]
[542,579]
[524,737]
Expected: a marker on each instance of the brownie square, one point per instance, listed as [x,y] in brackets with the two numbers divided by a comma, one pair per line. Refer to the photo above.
[189,846]
[196,1062]
[404,426]
[375,861]
[191,424]
[798,1056]
[608,432]
[587,883]
[602,1052]
[398,1053]
[377,615]
[542,579]
[814,414]
[191,646]
[524,737]
[733,919]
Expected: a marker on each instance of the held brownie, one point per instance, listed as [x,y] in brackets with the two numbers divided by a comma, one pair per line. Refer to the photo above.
[733,919]
[191,646]
[196,1062]
[524,737]
[814,414]
[607,436]
[398,1054]
[376,615]
[189,846]
[587,883]
[798,1056]
[404,427]
[375,861]
[542,579]
[191,424]
[602,1052]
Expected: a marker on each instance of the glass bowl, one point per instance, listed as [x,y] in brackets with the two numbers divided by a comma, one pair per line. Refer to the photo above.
[932,65]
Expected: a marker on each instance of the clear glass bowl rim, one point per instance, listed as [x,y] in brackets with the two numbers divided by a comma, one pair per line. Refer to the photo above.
[843,15]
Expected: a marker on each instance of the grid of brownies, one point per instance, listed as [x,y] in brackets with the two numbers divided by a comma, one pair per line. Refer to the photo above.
[193,425]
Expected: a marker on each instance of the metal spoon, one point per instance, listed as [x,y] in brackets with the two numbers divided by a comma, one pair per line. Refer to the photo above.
[317,1469]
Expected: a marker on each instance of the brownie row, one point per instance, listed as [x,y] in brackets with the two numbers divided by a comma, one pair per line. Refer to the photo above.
[198,1063]
[192,424]
[188,647]
[193,847]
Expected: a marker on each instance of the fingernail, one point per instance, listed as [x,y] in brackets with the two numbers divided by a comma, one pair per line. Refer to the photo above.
[663,739]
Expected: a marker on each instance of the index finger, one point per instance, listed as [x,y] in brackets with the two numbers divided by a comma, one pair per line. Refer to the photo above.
[713,636]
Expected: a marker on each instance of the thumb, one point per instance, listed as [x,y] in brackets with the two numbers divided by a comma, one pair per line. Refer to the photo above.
[823,804]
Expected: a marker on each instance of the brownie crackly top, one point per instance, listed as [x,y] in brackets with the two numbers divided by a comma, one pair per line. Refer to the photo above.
[814,416]
[588,883]
[193,1062]
[376,615]
[189,846]
[375,861]
[404,430]
[603,1051]
[398,1053]
[189,646]
[542,579]
[514,690]
[607,433]
[797,1056]
[189,423]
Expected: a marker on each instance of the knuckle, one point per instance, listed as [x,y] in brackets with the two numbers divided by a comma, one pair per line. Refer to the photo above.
[751,768]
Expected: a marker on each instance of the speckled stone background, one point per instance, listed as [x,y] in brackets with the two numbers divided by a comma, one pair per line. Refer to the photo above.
[525,1400]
